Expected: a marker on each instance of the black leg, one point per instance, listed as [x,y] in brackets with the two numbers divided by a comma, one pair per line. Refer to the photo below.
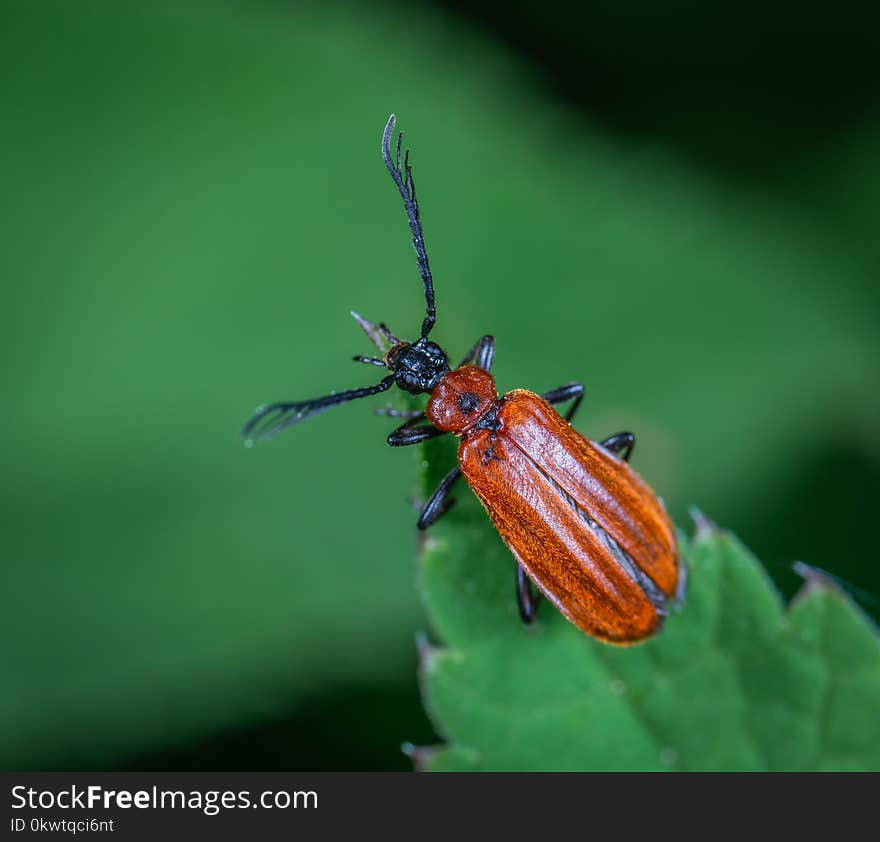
[482,354]
[440,502]
[620,444]
[407,434]
[526,596]
[570,392]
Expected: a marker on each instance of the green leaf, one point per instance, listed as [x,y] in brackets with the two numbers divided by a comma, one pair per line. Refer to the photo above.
[733,682]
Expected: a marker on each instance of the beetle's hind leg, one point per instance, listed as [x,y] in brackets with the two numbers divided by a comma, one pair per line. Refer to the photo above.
[620,444]
[440,501]
[527,596]
[570,392]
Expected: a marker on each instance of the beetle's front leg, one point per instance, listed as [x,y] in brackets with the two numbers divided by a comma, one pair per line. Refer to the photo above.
[569,392]
[620,444]
[407,434]
[440,501]
[527,596]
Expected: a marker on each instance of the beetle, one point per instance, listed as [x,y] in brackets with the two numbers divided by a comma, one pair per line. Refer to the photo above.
[585,530]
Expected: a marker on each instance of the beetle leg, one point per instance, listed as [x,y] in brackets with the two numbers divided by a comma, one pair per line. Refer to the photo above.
[570,392]
[482,354]
[440,501]
[620,444]
[411,418]
[527,596]
[407,434]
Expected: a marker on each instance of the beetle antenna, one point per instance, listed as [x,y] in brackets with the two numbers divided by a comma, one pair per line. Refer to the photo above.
[268,421]
[403,178]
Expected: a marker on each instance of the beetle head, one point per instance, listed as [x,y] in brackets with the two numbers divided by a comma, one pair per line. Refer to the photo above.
[419,367]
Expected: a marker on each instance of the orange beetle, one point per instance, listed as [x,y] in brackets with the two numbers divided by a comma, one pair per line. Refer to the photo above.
[580,522]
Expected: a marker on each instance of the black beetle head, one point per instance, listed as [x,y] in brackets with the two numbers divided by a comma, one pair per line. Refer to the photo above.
[419,367]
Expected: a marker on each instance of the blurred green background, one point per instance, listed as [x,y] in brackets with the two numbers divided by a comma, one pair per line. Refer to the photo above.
[676,206]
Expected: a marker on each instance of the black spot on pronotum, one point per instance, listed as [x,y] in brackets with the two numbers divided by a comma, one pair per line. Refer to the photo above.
[468,402]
